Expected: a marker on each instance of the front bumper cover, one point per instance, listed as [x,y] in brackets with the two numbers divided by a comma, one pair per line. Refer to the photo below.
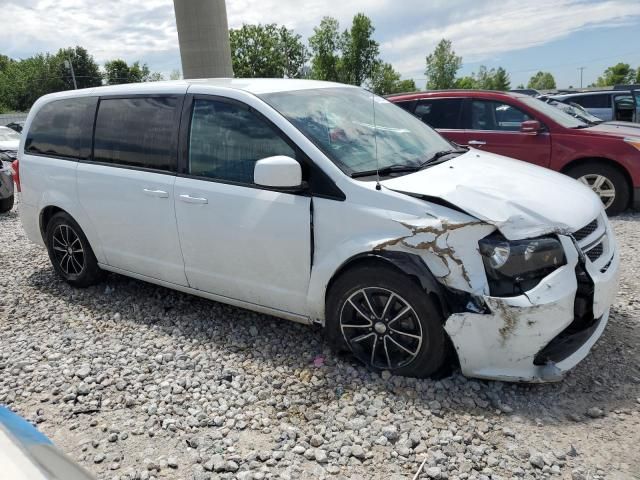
[503,344]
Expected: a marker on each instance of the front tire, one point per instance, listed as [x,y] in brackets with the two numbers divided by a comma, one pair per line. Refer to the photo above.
[70,253]
[387,321]
[607,182]
[6,204]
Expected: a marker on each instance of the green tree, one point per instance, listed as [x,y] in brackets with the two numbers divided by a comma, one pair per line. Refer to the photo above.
[618,74]
[485,78]
[267,51]
[118,71]
[638,75]
[501,80]
[407,85]
[175,75]
[520,85]
[85,68]
[542,81]
[326,45]
[23,82]
[385,80]
[360,50]
[442,66]
[465,83]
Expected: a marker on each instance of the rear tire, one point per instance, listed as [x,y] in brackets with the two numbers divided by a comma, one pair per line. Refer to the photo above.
[365,308]
[607,182]
[6,204]
[70,253]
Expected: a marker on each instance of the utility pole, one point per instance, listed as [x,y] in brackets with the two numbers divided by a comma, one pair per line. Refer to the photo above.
[581,70]
[69,65]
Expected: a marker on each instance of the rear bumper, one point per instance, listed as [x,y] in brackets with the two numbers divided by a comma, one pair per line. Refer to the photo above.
[539,336]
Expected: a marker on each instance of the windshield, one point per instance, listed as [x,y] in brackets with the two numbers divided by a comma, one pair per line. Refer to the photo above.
[6,135]
[555,114]
[340,121]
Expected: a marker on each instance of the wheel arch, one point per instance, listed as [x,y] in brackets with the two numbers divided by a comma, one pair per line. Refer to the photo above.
[606,161]
[46,214]
[411,265]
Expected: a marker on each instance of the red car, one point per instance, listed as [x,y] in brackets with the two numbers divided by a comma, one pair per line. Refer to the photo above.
[606,156]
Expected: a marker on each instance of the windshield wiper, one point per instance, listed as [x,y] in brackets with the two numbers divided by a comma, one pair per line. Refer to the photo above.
[438,155]
[387,170]
[433,159]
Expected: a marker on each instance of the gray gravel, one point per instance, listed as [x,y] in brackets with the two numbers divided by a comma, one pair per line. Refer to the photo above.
[135,381]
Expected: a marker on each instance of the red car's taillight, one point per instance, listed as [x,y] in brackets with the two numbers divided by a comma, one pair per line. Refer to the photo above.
[15,166]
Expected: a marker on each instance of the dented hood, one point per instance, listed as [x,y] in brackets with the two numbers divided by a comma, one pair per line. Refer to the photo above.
[522,200]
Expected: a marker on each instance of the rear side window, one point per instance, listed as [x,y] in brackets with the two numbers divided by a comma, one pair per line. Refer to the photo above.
[227,139]
[442,113]
[137,132]
[592,101]
[63,128]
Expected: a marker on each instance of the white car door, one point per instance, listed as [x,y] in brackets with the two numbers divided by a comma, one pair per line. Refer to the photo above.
[127,189]
[239,240]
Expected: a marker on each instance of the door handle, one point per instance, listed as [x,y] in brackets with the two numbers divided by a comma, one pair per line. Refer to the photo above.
[189,199]
[476,142]
[156,193]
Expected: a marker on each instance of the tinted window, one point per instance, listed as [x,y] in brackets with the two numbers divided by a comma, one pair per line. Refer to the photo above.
[408,106]
[63,128]
[487,115]
[138,132]
[592,101]
[226,141]
[444,113]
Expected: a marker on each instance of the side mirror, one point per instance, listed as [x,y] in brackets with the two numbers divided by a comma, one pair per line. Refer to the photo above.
[278,172]
[530,126]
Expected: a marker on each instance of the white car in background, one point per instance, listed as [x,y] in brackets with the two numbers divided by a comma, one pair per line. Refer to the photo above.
[321,203]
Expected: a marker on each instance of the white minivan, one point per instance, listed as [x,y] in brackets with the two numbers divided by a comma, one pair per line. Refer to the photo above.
[322,203]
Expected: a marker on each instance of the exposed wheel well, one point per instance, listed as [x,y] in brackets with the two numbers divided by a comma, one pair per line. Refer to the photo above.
[432,288]
[605,161]
[45,217]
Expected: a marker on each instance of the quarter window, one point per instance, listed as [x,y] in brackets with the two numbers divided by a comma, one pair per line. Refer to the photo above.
[444,113]
[137,132]
[488,115]
[227,139]
[63,128]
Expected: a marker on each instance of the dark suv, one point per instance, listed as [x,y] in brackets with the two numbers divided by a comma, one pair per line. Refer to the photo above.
[606,157]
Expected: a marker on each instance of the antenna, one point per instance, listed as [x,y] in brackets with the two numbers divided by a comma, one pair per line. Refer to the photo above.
[375,140]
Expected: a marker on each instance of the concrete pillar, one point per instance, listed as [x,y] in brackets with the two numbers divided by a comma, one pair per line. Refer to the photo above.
[203,34]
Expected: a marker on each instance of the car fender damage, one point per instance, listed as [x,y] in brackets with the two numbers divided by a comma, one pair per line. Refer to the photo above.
[494,337]
[447,248]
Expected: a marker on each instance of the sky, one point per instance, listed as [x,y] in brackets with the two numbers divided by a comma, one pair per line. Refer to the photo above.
[523,37]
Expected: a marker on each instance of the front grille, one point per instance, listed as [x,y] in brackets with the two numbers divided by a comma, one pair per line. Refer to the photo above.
[585,231]
[595,253]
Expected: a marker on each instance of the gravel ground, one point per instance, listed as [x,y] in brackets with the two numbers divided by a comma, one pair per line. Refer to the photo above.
[135,381]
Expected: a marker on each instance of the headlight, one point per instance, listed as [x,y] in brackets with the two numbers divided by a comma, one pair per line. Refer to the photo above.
[513,267]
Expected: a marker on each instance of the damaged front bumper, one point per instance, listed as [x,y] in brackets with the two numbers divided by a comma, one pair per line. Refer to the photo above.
[540,335]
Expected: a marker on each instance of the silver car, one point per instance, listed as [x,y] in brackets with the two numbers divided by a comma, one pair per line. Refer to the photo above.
[609,105]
